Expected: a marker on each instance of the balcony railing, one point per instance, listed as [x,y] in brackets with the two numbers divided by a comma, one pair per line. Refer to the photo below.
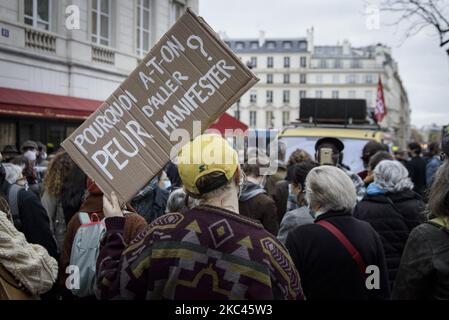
[40,40]
[103,55]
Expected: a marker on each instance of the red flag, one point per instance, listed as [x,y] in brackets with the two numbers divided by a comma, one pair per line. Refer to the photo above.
[381,108]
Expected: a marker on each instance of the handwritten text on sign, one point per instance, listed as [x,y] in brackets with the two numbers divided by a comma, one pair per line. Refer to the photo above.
[187,80]
[198,93]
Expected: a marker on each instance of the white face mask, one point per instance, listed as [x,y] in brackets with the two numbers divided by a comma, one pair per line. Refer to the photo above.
[166,184]
[30,155]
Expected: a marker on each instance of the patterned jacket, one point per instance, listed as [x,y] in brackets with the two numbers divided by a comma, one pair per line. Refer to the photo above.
[206,253]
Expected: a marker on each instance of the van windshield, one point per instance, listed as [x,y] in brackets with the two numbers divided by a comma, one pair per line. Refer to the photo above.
[351,154]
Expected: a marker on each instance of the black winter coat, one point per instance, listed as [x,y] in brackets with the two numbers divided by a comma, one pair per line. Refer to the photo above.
[393,222]
[424,270]
[416,167]
[34,219]
[325,266]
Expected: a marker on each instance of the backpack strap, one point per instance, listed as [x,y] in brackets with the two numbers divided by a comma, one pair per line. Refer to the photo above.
[13,196]
[84,218]
[346,243]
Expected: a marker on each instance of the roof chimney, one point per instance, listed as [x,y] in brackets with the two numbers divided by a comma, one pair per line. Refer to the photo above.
[261,38]
[346,47]
[310,42]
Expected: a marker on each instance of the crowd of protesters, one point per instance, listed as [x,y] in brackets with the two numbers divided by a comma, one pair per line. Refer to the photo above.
[313,229]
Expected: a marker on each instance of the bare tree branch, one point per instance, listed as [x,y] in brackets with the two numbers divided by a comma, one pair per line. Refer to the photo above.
[419,14]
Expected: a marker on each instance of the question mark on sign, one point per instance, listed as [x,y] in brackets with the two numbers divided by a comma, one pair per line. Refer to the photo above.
[192,45]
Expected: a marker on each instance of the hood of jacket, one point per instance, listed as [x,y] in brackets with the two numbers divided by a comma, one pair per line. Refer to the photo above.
[250,190]
[402,196]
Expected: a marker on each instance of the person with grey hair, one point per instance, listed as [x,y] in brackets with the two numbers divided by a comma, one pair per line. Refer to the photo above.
[179,201]
[393,209]
[333,253]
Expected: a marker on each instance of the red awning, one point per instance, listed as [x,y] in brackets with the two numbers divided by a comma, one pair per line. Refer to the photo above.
[226,121]
[43,105]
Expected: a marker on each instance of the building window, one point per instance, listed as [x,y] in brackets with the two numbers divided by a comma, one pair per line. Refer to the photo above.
[269,78]
[252,119]
[271,45]
[334,94]
[254,45]
[253,96]
[269,96]
[285,118]
[269,119]
[286,62]
[254,62]
[369,78]
[270,62]
[286,78]
[337,64]
[237,114]
[352,78]
[101,22]
[302,78]
[351,94]
[287,45]
[323,63]
[302,45]
[303,62]
[336,78]
[302,94]
[143,27]
[177,10]
[286,96]
[356,63]
[239,45]
[319,78]
[368,97]
[318,94]
[37,13]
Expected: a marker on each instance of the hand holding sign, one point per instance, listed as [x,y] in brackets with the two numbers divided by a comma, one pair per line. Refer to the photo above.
[190,76]
[111,208]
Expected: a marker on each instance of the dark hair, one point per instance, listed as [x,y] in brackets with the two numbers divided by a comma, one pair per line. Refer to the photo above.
[439,192]
[415,147]
[254,164]
[72,192]
[378,157]
[434,148]
[298,156]
[211,181]
[370,149]
[173,175]
[2,174]
[297,173]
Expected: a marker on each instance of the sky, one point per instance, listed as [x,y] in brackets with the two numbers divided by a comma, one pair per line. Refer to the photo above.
[423,65]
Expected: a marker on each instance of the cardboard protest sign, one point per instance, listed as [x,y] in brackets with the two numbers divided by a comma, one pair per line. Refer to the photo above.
[190,75]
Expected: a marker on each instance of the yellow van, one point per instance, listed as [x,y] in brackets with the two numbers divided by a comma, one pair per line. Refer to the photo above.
[353,137]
